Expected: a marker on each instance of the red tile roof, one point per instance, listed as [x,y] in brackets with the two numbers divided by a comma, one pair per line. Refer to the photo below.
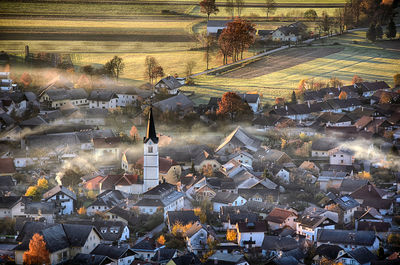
[7,166]
[109,142]
[278,215]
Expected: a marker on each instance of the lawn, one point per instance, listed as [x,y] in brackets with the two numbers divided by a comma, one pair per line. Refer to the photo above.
[364,59]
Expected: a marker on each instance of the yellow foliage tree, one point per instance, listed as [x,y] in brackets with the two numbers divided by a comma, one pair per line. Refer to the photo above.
[364,175]
[33,191]
[283,143]
[161,240]
[385,98]
[302,84]
[82,211]
[42,184]
[179,228]
[231,235]
[37,253]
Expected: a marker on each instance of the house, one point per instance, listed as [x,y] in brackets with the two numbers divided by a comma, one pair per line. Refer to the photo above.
[164,196]
[359,256]
[273,157]
[6,84]
[196,238]
[107,148]
[7,183]
[281,173]
[280,218]
[12,206]
[348,239]
[94,183]
[213,26]
[243,157]
[331,119]
[345,206]
[186,259]
[350,185]
[310,166]
[277,245]
[293,32]
[179,103]
[118,214]
[7,167]
[63,241]
[168,84]
[182,217]
[102,99]
[126,96]
[238,138]
[204,159]
[63,197]
[367,89]
[227,199]
[371,196]
[227,258]
[251,234]
[146,249]
[326,252]
[122,255]
[57,97]
[331,179]
[321,147]
[264,34]
[111,231]
[163,255]
[106,200]
[341,156]
[231,219]
[253,99]
[41,211]
[308,226]
[90,259]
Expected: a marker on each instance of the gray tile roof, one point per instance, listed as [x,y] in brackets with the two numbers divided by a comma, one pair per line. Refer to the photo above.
[59,189]
[102,95]
[113,252]
[175,103]
[347,237]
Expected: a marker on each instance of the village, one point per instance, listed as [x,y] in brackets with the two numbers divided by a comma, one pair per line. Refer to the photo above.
[310,180]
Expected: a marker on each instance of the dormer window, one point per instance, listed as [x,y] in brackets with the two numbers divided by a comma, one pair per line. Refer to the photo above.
[150,149]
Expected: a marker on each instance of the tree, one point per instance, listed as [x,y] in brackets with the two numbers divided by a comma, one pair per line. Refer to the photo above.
[391,29]
[134,133]
[239,6]
[72,177]
[33,192]
[231,235]
[37,253]
[88,70]
[335,82]
[232,105]
[379,31]
[354,6]
[82,211]
[294,98]
[325,23]
[371,33]
[114,67]
[208,7]
[311,14]
[340,19]
[189,67]
[343,95]
[396,80]
[394,240]
[161,240]
[270,7]
[26,79]
[230,7]
[236,38]
[42,184]
[356,79]
[153,70]
[302,84]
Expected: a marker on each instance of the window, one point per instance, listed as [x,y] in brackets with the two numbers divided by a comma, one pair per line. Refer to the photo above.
[341,161]
[150,149]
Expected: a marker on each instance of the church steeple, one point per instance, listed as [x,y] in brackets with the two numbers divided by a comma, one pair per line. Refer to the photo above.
[151,129]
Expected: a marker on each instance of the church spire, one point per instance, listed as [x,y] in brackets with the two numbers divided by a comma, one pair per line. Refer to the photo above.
[151,129]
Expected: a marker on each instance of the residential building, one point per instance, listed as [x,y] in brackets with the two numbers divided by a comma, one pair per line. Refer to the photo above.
[63,197]
[348,239]
[251,234]
[280,218]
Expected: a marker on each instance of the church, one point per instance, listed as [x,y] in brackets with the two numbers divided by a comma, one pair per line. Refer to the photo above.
[131,183]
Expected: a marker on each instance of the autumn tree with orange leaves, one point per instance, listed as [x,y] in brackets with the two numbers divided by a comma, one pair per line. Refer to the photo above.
[356,79]
[343,95]
[385,98]
[37,253]
[233,106]
[236,38]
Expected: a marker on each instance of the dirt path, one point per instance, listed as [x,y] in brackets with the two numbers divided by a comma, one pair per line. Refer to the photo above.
[280,61]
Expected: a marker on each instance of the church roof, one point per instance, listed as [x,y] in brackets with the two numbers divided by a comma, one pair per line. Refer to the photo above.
[151,129]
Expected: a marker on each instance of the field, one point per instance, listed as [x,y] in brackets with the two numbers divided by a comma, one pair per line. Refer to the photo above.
[371,62]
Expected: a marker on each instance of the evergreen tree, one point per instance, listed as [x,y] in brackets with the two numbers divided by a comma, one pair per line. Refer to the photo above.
[294,99]
[379,31]
[371,33]
[391,30]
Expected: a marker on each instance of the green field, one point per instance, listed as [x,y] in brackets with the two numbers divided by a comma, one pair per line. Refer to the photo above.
[369,61]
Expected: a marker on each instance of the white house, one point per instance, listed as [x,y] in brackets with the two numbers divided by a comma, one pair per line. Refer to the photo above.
[251,233]
[308,226]
[168,84]
[62,196]
[227,199]
[196,238]
[107,148]
[252,99]
[102,99]
[121,254]
[341,156]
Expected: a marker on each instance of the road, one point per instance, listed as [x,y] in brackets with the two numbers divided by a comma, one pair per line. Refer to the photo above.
[153,232]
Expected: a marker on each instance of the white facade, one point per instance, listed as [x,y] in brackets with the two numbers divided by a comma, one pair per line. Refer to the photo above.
[341,158]
[94,104]
[67,203]
[309,233]
[258,237]
[125,100]
[150,165]
[283,175]
[238,202]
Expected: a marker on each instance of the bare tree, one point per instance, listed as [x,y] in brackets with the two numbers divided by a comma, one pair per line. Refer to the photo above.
[114,67]
[239,6]
[230,7]
[340,19]
[152,69]
[270,7]
[208,7]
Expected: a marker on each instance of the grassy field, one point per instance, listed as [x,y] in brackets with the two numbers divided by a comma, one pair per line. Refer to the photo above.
[369,61]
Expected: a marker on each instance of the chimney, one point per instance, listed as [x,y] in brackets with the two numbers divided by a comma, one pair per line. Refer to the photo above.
[286,107]
[369,188]
[308,103]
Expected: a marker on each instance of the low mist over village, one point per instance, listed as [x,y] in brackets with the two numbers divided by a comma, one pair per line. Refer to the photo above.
[215,132]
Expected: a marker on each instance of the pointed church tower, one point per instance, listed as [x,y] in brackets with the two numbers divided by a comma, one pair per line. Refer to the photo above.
[150,163]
